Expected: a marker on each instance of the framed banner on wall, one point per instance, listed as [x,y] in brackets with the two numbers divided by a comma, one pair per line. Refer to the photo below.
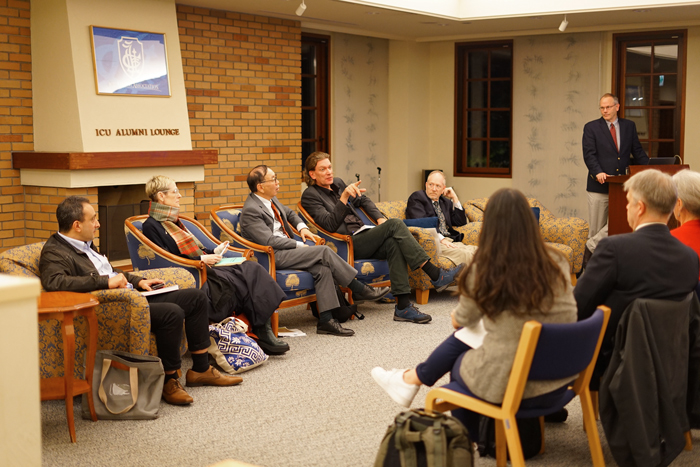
[130,63]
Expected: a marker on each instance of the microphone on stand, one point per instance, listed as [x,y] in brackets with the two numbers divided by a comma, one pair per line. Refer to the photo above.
[379,183]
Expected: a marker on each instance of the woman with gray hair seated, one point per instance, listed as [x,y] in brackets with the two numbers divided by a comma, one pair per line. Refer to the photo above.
[687,210]
[245,288]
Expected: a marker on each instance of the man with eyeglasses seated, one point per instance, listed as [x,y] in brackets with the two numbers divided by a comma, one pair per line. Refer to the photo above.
[608,143]
[266,221]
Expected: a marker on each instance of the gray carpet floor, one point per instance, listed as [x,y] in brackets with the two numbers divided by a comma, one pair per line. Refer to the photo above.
[315,406]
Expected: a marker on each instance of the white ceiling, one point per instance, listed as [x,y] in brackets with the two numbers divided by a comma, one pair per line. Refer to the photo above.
[334,15]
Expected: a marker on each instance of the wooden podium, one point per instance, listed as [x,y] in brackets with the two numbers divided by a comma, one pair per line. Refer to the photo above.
[617,202]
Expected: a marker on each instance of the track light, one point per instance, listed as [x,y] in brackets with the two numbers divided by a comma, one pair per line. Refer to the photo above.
[562,26]
[301,8]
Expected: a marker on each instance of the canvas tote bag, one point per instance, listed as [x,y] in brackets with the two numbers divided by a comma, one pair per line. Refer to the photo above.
[125,386]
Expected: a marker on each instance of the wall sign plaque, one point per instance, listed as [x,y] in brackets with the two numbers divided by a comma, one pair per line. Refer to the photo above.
[130,63]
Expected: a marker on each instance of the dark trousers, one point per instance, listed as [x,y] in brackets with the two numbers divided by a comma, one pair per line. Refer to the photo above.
[168,310]
[393,242]
[445,358]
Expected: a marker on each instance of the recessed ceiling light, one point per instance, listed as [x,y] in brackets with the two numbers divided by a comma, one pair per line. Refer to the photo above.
[442,24]
[535,17]
[640,11]
[466,22]
[371,12]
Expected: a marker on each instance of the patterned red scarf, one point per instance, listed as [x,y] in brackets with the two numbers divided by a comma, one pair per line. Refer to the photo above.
[168,217]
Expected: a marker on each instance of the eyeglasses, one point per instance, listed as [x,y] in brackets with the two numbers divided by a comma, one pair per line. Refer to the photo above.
[174,192]
[603,109]
[274,179]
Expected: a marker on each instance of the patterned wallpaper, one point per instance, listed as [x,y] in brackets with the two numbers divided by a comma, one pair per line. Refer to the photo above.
[555,93]
[360,108]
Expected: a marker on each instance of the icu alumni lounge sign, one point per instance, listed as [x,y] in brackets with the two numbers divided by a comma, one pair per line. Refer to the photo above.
[138,132]
[130,63]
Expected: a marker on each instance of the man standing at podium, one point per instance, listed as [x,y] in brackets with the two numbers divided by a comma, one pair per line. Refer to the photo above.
[607,145]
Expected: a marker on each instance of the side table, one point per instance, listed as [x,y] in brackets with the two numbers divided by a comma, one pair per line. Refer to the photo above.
[65,306]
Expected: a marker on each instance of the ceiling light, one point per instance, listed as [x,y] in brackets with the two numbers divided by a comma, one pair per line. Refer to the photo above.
[301,8]
[563,25]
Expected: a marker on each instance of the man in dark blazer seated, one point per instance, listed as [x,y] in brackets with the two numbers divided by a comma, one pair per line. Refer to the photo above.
[647,263]
[266,221]
[607,145]
[333,205]
[440,202]
[70,262]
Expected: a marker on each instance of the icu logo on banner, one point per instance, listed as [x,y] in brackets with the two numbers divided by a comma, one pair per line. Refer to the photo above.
[131,56]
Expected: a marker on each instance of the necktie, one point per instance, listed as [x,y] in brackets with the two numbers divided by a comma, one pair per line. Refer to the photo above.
[614,136]
[279,219]
[442,225]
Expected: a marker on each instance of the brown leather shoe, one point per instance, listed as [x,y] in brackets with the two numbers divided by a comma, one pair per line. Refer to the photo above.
[211,377]
[174,393]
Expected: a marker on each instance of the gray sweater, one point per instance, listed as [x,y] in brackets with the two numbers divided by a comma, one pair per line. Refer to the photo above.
[486,369]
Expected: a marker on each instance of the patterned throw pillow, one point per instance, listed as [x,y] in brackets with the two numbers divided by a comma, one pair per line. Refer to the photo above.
[234,351]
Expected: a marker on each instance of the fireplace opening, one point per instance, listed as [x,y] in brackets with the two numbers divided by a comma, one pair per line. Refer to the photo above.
[115,205]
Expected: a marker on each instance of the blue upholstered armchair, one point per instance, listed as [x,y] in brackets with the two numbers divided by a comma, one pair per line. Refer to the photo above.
[374,272]
[298,286]
[147,255]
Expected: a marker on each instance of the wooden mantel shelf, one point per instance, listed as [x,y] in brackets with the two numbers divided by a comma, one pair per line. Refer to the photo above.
[111,160]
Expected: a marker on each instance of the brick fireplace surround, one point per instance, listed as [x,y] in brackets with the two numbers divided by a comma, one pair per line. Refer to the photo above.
[243,85]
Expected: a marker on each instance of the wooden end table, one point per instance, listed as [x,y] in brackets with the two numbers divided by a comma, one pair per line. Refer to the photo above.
[65,306]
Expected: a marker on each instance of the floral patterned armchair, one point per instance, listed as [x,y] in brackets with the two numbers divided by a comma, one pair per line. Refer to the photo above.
[417,279]
[567,234]
[122,316]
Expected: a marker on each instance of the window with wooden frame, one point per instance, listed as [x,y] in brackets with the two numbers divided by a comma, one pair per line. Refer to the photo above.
[483,108]
[314,95]
[649,79]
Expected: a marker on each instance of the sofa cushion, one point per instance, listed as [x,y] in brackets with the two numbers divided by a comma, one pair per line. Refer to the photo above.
[425,223]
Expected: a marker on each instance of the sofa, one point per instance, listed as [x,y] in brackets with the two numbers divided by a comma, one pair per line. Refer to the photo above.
[566,234]
[122,316]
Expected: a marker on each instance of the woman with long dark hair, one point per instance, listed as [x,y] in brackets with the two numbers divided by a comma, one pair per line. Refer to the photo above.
[514,278]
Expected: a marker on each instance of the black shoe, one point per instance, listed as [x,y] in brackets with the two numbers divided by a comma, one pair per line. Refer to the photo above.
[370,294]
[334,328]
[557,417]
[267,340]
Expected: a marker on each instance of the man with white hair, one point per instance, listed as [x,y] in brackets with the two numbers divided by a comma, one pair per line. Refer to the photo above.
[647,263]
[441,202]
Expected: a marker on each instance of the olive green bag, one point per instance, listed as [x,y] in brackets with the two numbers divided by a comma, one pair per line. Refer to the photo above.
[419,439]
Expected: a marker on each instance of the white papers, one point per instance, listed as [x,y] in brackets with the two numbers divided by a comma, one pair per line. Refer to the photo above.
[172,288]
[472,336]
[284,332]
[363,228]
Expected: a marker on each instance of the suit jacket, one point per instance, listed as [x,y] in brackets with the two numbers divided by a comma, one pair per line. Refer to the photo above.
[257,222]
[330,214]
[647,263]
[600,153]
[62,267]
[648,390]
[420,206]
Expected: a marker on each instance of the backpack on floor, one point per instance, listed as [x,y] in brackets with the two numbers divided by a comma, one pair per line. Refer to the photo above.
[419,439]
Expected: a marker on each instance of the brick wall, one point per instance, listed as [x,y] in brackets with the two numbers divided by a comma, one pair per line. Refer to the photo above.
[242,75]
[16,133]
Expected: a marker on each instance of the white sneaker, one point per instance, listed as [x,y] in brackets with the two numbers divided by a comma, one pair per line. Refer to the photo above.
[394,385]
